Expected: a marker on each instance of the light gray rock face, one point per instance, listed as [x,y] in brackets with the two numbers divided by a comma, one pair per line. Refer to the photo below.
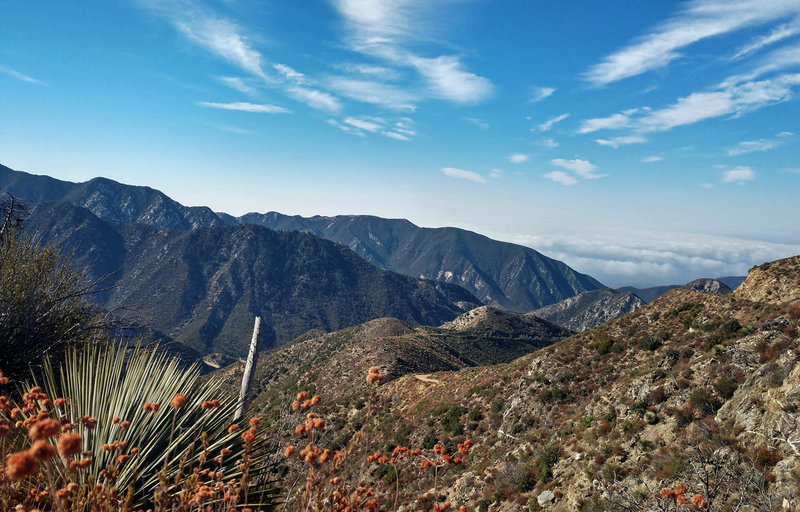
[589,309]
[545,498]
[706,285]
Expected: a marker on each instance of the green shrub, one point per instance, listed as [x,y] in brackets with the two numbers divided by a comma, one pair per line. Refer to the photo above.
[45,303]
[726,387]
[703,400]
[647,342]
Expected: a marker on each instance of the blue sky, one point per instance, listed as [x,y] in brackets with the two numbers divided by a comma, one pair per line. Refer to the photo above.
[640,142]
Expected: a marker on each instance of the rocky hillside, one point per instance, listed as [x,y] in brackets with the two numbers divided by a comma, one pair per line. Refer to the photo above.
[589,309]
[693,390]
[721,284]
[337,361]
[203,287]
[511,276]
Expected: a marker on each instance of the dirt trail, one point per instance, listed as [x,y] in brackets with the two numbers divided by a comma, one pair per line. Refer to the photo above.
[426,378]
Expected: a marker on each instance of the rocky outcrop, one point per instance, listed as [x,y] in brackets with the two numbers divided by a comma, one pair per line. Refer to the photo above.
[706,285]
[589,309]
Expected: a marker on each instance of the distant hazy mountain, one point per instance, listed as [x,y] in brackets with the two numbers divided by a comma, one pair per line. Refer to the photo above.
[503,274]
[589,309]
[721,284]
[202,287]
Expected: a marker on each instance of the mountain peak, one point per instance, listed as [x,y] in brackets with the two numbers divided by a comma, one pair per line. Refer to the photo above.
[776,282]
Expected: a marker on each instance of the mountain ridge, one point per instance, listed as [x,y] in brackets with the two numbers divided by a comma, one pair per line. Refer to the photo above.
[203,286]
[511,276]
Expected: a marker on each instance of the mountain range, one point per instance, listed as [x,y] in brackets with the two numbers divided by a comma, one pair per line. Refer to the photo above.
[202,287]
[507,275]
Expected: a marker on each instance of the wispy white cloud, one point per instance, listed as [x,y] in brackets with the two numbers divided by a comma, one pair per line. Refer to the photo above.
[235,129]
[448,80]
[290,74]
[750,146]
[246,107]
[612,122]
[218,35]
[779,59]
[651,159]
[561,177]
[734,100]
[540,93]
[477,122]
[495,173]
[377,93]
[319,100]
[385,30]
[368,124]
[547,125]
[616,142]
[778,34]
[238,84]
[396,136]
[518,158]
[346,128]
[700,19]
[582,168]
[707,186]
[738,175]
[727,100]
[548,142]
[368,70]
[463,174]
[19,76]
[400,129]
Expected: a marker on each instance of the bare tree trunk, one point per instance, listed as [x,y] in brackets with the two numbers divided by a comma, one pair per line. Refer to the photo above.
[247,377]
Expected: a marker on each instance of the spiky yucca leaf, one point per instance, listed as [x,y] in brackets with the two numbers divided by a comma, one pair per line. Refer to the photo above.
[107,382]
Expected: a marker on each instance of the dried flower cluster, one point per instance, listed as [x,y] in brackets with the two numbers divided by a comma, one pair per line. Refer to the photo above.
[48,467]
[678,495]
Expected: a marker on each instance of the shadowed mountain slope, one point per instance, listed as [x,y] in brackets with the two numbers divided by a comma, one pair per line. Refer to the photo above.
[204,286]
[511,276]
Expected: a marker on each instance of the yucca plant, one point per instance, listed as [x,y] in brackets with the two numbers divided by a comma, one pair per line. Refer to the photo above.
[111,383]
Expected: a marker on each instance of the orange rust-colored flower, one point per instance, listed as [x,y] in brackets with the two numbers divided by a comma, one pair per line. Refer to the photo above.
[90,422]
[254,422]
[666,492]
[45,428]
[315,399]
[681,499]
[210,404]
[300,429]
[301,395]
[123,425]
[296,405]
[249,435]
[698,501]
[680,489]
[20,464]
[150,406]
[233,428]
[122,459]
[42,450]
[178,401]
[289,450]
[374,375]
